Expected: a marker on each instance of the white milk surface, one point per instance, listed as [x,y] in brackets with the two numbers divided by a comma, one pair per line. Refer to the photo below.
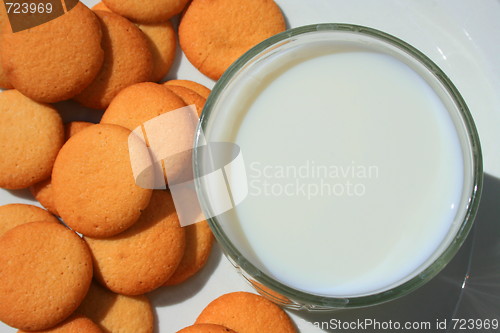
[355,173]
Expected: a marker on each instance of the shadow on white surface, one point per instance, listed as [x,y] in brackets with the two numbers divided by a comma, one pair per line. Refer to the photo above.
[23,194]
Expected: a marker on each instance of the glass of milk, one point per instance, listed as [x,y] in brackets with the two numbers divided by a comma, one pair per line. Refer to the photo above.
[346,169]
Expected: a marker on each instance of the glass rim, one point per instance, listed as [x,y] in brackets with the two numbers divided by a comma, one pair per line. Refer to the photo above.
[328,302]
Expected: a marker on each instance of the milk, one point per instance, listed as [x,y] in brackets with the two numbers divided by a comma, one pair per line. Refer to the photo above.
[354,166]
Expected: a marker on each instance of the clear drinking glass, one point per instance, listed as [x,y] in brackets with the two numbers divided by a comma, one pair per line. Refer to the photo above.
[297,39]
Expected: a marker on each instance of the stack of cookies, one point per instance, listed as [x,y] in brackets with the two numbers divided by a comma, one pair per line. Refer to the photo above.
[241,312]
[90,269]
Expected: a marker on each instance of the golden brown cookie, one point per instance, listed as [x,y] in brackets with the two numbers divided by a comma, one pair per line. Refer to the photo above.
[195,86]
[42,191]
[246,313]
[56,60]
[144,256]
[117,313]
[162,43]
[189,97]
[199,240]
[153,11]
[94,188]
[127,60]
[139,103]
[45,272]
[31,135]
[214,33]
[16,214]
[206,328]
[74,324]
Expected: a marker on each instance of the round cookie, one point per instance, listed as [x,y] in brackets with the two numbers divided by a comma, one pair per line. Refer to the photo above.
[195,86]
[146,255]
[127,60]
[42,191]
[152,11]
[31,135]
[16,214]
[214,33]
[199,240]
[246,313]
[45,272]
[206,328]
[74,324]
[94,187]
[189,97]
[162,43]
[139,103]
[56,60]
[117,313]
